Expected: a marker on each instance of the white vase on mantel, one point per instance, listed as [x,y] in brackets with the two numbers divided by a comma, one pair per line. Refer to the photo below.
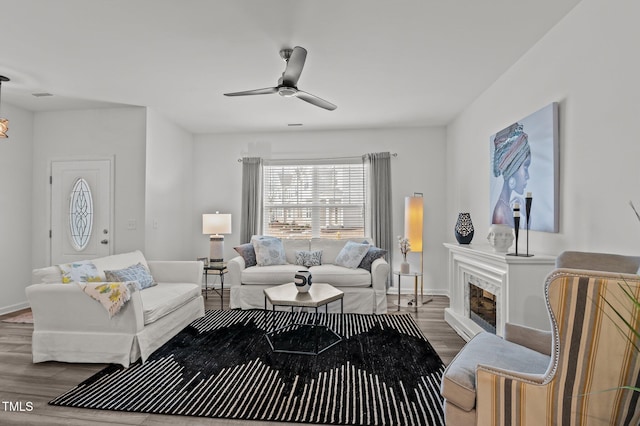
[404,267]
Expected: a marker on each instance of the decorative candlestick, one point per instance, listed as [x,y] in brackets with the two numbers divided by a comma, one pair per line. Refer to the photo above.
[528,199]
[516,222]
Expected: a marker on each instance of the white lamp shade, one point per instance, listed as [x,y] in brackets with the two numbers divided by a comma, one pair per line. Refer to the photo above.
[413,220]
[216,223]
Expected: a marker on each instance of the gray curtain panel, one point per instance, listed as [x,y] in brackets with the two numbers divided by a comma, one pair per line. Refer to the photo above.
[381,222]
[250,217]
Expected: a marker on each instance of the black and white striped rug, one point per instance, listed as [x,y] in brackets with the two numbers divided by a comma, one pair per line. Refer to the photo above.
[384,373]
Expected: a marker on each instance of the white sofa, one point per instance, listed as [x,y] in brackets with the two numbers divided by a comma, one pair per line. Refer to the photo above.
[364,292]
[70,326]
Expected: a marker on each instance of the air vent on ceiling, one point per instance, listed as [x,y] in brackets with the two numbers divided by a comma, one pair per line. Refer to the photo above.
[41,94]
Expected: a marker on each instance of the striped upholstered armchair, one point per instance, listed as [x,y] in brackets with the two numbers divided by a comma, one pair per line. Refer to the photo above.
[573,375]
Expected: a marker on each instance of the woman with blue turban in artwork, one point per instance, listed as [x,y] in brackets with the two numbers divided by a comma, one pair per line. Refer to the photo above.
[511,159]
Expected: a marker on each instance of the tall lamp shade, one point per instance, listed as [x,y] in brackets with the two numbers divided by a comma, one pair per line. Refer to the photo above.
[214,225]
[4,123]
[413,215]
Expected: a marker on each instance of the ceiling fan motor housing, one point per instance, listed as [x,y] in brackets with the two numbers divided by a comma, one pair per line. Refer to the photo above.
[285,54]
[287,92]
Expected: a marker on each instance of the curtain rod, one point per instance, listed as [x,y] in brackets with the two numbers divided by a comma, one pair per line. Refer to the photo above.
[395,154]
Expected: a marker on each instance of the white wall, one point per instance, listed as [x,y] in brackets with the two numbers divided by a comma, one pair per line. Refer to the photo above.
[169,191]
[117,132]
[590,64]
[419,167]
[15,208]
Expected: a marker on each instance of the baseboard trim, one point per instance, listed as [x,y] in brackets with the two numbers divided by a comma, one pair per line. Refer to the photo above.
[430,291]
[13,308]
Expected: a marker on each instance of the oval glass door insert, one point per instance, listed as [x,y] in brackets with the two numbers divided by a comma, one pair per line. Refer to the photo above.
[80,214]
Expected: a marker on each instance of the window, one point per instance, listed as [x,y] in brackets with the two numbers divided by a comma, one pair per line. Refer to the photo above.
[314,200]
[80,214]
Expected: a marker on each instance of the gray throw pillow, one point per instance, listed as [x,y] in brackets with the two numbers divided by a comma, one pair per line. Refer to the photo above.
[351,254]
[269,250]
[372,254]
[309,258]
[248,254]
[138,273]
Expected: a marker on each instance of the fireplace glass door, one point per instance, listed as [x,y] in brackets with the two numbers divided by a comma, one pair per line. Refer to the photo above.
[482,308]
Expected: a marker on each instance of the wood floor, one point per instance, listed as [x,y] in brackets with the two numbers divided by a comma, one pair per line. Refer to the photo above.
[25,388]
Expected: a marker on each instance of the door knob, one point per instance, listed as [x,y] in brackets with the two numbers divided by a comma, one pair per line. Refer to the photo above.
[104,242]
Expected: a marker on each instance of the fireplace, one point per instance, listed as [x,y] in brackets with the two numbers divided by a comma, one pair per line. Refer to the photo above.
[489,289]
[482,301]
[482,308]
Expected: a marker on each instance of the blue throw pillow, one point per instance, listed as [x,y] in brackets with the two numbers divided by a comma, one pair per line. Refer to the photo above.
[269,250]
[351,254]
[138,273]
[247,252]
[372,254]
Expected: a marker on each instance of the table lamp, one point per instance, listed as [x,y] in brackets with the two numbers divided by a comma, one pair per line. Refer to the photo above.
[214,225]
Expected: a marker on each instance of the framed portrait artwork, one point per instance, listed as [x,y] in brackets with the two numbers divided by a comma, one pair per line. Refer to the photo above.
[524,162]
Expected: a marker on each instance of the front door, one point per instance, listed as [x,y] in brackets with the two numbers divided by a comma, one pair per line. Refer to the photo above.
[81,209]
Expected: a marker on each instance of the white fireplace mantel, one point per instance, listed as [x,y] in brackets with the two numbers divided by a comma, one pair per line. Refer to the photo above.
[517,282]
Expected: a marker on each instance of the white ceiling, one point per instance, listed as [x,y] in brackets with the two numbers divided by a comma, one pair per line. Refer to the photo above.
[384,63]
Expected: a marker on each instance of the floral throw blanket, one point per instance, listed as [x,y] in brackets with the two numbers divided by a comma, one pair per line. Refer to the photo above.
[111,295]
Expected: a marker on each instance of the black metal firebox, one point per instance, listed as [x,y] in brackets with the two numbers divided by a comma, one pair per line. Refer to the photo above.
[482,308]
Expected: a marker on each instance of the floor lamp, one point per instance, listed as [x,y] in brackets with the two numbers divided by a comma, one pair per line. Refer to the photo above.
[413,229]
[214,225]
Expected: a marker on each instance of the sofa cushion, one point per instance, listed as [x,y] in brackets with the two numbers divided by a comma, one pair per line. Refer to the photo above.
[308,257]
[269,250]
[137,273]
[274,274]
[248,253]
[351,254]
[340,276]
[165,298]
[459,380]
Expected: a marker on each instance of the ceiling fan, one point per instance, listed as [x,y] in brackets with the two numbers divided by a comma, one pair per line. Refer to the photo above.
[287,83]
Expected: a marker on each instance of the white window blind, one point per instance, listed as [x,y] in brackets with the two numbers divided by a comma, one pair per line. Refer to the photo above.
[314,200]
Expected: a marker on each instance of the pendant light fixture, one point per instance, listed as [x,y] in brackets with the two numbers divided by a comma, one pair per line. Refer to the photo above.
[4,123]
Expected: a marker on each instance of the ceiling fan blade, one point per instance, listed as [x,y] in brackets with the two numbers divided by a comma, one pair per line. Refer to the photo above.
[314,100]
[294,67]
[265,91]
